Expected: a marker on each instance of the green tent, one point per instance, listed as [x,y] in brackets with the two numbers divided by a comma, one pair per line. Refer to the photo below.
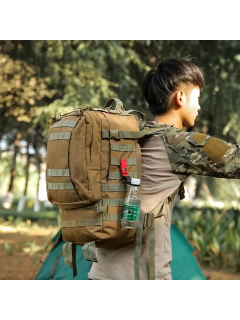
[184,265]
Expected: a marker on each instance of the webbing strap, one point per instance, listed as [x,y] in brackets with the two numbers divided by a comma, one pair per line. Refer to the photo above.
[118,176]
[130,161]
[60,136]
[65,123]
[69,256]
[112,217]
[149,223]
[119,134]
[74,263]
[89,251]
[91,222]
[60,186]
[113,202]
[123,147]
[151,233]
[158,210]
[81,223]
[67,253]
[149,131]
[58,172]
[138,245]
[172,196]
[114,187]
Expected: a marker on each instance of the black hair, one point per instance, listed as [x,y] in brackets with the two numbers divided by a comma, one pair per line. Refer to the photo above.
[164,79]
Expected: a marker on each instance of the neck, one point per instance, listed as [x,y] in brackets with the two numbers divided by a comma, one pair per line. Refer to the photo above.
[169,119]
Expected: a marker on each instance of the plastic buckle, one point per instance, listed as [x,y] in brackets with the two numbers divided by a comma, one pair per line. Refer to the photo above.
[102,209]
[78,112]
[58,116]
[128,179]
[115,134]
[148,220]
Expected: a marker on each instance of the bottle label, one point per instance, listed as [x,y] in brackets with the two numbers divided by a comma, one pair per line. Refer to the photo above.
[131,212]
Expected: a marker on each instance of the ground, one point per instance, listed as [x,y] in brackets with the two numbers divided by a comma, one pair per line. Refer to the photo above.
[23,249]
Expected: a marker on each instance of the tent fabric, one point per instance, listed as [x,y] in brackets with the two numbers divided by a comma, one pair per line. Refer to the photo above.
[184,265]
[54,267]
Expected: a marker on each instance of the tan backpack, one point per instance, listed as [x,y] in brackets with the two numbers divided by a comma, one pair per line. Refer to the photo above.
[84,178]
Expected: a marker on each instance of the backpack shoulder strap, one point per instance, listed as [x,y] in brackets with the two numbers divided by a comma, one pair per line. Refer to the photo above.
[152,127]
[147,220]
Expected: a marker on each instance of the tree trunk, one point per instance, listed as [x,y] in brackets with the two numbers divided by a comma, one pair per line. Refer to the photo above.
[22,201]
[8,200]
[37,206]
[27,170]
[13,166]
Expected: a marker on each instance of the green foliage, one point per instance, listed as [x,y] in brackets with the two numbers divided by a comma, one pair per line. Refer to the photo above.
[40,78]
[214,233]
[71,73]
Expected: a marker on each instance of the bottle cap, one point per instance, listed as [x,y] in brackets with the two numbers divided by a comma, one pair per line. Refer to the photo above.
[135,182]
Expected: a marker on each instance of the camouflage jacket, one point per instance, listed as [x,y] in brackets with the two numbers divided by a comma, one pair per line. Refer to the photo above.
[166,162]
[197,153]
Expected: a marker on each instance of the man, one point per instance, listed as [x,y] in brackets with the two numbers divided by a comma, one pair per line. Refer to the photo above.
[172,91]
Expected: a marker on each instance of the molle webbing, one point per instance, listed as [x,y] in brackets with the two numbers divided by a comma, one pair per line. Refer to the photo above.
[118,134]
[130,161]
[113,202]
[81,223]
[118,176]
[60,186]
[65,123]
[112,217]
[91,222]
[60,136]
[58,172]
[123,147]
[114,187]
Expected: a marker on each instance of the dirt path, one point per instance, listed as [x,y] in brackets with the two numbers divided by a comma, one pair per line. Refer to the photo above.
[220,275]
[22,249]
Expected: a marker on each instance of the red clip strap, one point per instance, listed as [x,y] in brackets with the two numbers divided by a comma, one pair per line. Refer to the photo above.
[124,167]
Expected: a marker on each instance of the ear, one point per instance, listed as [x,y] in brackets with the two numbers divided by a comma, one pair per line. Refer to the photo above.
[180,98]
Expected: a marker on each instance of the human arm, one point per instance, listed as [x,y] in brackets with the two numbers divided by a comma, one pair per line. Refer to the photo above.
[200,154]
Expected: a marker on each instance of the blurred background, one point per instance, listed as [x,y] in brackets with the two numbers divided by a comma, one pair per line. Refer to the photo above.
[41,78]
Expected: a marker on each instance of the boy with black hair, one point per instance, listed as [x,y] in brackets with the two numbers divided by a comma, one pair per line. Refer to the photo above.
[172,91]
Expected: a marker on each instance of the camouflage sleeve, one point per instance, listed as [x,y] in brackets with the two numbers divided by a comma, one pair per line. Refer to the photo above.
[200,154]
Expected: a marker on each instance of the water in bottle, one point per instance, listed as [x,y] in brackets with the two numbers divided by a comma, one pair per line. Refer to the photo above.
[132,205]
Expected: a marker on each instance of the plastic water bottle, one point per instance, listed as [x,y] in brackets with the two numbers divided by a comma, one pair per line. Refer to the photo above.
[132,205]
